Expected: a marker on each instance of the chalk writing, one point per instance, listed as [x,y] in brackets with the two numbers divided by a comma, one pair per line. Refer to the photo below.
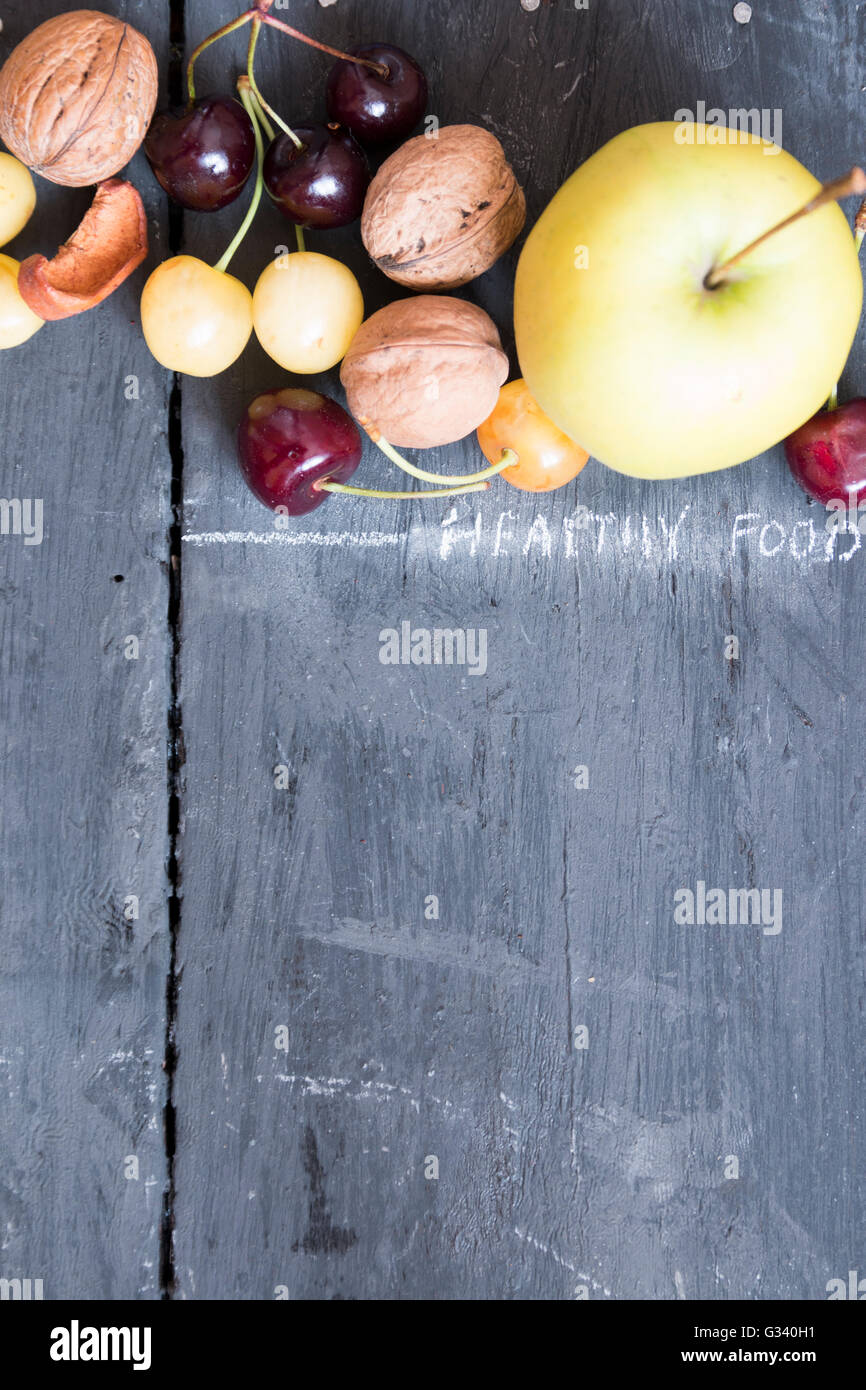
[585,535]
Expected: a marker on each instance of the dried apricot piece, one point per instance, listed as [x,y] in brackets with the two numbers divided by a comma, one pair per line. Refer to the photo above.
[107,247]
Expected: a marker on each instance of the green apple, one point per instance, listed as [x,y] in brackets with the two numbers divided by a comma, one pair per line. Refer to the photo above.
[619,339]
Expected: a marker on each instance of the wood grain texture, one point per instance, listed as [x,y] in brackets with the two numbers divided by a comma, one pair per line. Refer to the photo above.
[84,776]
[330,1037]
[560,1169]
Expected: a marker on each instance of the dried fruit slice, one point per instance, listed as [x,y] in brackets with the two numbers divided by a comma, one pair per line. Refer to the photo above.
[107,247]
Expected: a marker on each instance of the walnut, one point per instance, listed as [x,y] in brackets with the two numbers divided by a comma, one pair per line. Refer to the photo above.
[443,209]
[77,96]
[108,245]
[424,371]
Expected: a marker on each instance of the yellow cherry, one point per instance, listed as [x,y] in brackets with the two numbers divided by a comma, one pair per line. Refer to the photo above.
[307,309]
[17,320]
[546,458]
[196,319]
[17,197]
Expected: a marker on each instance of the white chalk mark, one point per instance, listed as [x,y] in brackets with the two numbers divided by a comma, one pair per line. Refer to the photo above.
[573,88]
[543,1249]
[381,1092]
[321,538]
[585,537]
[547,1250]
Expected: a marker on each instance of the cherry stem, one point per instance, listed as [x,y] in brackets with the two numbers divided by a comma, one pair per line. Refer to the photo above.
[299,235]
[206,43]
[859,234]
[245,93]
[852,182]
[263,120]
[380,68]
[509,458]
[263,105]
[375,492]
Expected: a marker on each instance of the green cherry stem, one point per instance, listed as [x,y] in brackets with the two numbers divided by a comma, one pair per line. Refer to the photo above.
[375,492]
[299,235]
[263,120]
[264,108]
[859,234]
[507,460]
[246,97]
[206,43]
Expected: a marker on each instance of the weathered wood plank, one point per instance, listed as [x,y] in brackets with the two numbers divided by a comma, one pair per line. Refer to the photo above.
[83,825]
[331,1038]
[560,1169]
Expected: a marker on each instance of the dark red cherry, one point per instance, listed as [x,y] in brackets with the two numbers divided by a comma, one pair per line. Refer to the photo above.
[378,109]
[291,439]
[203,155]
[827,455]
[324,183]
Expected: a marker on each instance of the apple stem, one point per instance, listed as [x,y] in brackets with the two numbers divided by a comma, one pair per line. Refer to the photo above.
[376,492]
[379,68]
[852,182]
[508,459]
[206,43]
[246,96]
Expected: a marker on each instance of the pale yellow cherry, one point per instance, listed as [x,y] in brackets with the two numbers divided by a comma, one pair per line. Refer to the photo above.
[17,197]
[17,320]
[196,319]
[307,309]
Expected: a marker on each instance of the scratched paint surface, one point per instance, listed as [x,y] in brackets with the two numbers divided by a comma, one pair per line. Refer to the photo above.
[301,1154]
[83,939]
[582,1067]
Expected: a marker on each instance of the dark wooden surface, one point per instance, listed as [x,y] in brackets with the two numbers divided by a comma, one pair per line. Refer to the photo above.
[300,1168]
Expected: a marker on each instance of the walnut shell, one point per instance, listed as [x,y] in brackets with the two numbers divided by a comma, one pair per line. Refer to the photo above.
[442,210]
[77,96]
[424,371]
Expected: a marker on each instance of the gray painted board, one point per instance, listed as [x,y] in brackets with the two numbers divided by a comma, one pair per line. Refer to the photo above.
[331,1036]
[83,828]
[559,1169]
